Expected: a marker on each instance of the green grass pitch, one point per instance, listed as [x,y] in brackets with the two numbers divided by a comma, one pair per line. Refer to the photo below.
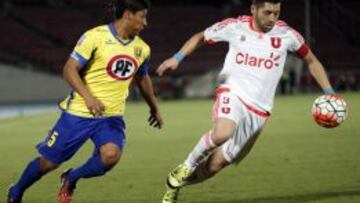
[294,160]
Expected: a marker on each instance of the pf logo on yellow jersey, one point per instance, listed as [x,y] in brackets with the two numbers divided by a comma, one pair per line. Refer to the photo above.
[122,67]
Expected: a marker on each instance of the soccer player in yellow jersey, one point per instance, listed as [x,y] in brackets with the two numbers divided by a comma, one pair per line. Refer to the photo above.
[100,69]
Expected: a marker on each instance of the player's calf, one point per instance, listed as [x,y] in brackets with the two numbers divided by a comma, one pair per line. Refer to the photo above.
[208,168]
[203,148]
[216,162]
[224,129]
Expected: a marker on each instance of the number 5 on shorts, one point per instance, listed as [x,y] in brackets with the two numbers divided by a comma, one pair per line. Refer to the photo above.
[52,139]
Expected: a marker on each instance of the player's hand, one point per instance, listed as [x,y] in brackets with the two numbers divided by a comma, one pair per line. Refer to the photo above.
[95,106]
[155,120]
[168,65]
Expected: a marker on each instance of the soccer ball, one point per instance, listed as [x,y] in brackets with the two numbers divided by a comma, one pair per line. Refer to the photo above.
[329,111]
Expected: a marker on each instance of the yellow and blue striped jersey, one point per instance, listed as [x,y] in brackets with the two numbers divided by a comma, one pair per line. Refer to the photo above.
[109,64]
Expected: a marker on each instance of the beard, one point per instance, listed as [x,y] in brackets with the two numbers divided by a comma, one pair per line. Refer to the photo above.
[264,27]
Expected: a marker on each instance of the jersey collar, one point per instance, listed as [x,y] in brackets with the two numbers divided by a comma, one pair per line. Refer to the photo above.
[116,35]
[252,28]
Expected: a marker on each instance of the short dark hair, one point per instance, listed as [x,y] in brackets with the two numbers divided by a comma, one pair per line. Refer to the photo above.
[133,5]
[261,2]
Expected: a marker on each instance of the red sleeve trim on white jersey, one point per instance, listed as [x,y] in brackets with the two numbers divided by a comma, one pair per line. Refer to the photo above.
[245,18]
[303,51]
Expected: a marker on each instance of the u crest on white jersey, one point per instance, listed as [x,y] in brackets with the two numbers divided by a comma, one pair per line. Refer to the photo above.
[275,42]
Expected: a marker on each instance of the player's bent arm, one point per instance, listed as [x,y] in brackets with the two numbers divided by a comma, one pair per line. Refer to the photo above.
[192,44]
[72,77]
[317,70]
[147,91]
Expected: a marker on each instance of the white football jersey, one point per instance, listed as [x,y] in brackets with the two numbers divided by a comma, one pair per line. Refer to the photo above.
[254,63]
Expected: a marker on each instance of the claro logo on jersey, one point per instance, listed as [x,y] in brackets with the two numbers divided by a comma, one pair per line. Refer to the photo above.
[122,67]
[257,62]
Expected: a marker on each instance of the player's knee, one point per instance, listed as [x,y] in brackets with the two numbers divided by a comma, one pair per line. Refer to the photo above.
[224,129]
[47,166]
[221,136]
[110,157]
[110,154]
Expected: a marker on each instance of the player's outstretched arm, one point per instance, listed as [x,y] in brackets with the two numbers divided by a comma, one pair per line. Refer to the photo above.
[147,91]
[173,62]
[72,76]
[317,70]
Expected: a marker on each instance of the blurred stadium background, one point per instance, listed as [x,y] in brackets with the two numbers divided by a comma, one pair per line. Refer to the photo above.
[38,35]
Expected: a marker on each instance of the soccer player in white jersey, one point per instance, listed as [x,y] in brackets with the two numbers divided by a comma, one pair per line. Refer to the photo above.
[258,46]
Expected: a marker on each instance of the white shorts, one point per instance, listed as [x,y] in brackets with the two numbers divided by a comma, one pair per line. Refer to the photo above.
[249,122]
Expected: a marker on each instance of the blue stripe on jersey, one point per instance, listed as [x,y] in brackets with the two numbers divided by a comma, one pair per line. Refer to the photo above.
[70,100]
[79,58]
[143,70]
[116,35]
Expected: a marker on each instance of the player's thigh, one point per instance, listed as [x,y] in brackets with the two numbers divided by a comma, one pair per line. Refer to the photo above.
[226,116]
[244,138]
[223,129]
[65,138]
[110,137]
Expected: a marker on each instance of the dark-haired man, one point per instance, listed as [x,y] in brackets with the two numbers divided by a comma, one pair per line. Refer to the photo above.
[258,47]
[104,62]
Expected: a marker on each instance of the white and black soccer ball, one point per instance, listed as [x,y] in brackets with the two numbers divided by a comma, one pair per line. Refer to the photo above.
[329,111]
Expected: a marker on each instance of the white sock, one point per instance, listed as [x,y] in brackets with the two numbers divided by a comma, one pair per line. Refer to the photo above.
[200,151]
